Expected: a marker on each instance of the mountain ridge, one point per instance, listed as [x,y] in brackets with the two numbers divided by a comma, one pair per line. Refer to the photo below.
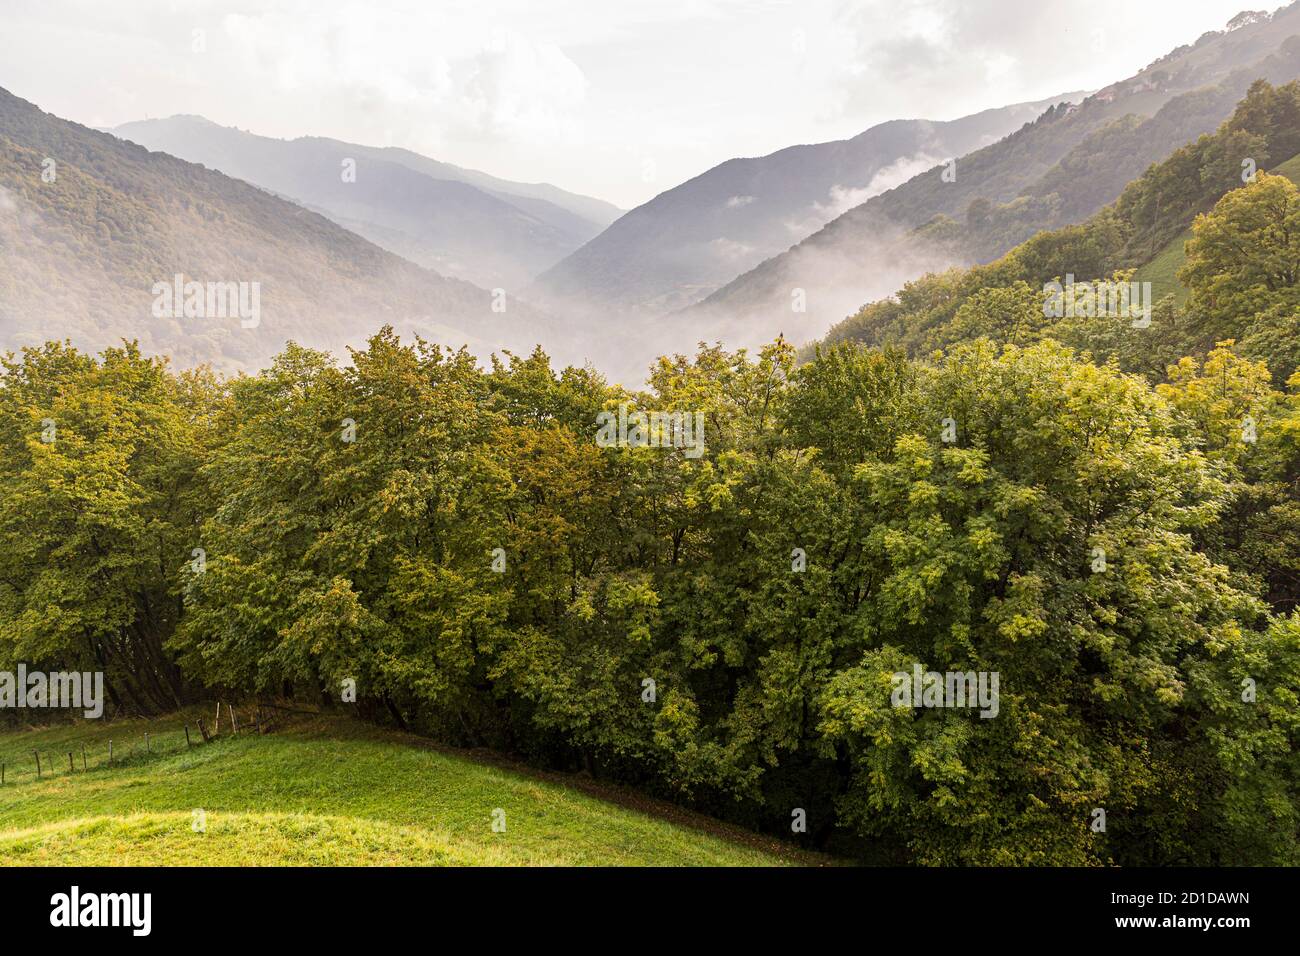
[687,240]
[1197,83]
[435,214]
[85,247]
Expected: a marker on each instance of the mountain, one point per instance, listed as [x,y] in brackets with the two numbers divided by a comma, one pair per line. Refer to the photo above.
[460,222]
[1057,170]
[1144,231]
[94,230]
[541,197]
[684,243]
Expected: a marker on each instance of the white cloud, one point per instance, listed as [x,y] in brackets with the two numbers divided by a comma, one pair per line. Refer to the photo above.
[426,80]
[899,172]
[730,248]
[843,198]
[578,93]
[524,90]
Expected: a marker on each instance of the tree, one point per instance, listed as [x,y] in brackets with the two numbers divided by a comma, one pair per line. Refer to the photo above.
[1049,543]
[1243,260]
[101,501]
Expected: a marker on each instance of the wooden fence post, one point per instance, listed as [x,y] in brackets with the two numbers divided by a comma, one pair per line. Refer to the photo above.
[234,729]
[72,768]
[188,745]
[203,729]
[2,773]
[38,764]
[110,752]
[83,758]
[146,744]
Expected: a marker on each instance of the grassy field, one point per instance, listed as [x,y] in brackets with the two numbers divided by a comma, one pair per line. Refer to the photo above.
[1162,271]
[327,791]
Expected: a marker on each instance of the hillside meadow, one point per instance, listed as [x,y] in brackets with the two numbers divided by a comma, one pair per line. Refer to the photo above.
[328,791]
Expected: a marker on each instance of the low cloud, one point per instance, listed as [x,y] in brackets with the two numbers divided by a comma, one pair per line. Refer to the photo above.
[844,198]
[840,199]
[729,248]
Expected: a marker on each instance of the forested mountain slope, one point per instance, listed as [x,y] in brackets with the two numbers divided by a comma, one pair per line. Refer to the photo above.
[1144,227]
[1055,171]
[89,224]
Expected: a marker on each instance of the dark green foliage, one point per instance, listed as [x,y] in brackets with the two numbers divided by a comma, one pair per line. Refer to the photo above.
[351,517]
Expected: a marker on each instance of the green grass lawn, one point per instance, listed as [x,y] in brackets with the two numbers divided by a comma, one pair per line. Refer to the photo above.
[325,791]
[1162,271]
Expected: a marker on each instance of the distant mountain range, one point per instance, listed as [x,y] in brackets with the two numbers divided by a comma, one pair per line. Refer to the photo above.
[342,238]
[687,241]
[1055,171]
[461,222]
[93,229]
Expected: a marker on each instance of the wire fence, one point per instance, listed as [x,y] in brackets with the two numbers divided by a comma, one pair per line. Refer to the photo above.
[79,755]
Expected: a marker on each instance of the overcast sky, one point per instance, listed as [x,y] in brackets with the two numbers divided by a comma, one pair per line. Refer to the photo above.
[619,99]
